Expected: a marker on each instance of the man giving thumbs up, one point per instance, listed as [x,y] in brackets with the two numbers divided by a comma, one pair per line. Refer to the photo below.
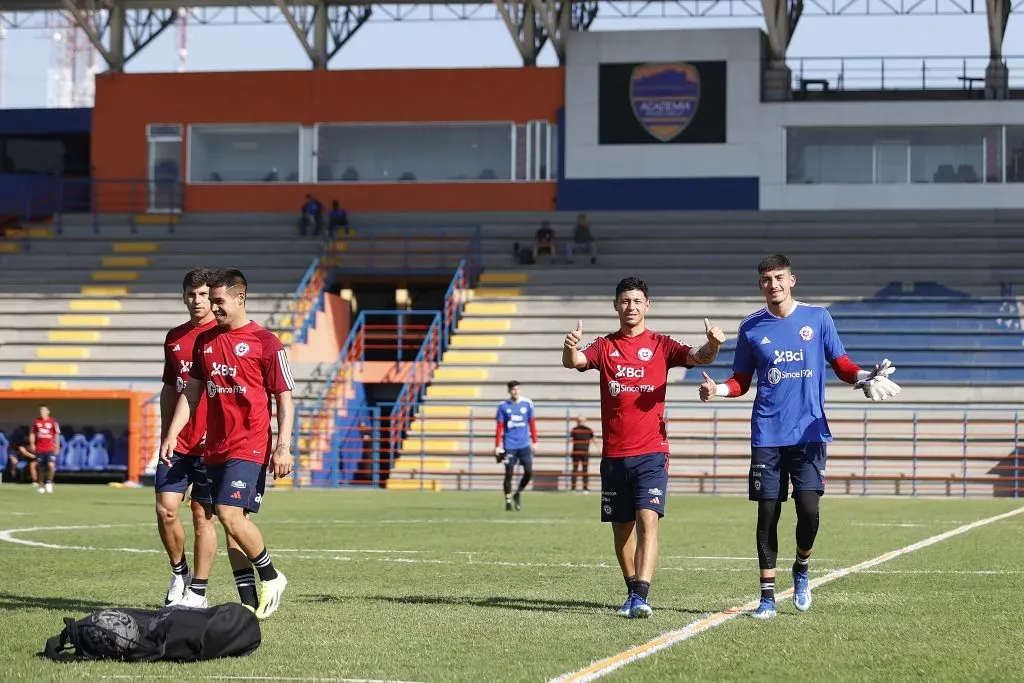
[634,364]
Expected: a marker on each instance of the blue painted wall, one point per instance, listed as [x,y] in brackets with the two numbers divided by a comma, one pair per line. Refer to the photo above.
[653,194]
[45,121]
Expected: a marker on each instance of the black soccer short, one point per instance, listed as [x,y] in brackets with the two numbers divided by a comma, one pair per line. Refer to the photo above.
[636,482]
[772,468]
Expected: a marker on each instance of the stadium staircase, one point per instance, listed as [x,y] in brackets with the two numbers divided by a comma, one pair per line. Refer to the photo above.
[933,295]
[333,427]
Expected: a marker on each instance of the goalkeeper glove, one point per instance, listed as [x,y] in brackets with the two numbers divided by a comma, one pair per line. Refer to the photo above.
[877,386]
[499,454]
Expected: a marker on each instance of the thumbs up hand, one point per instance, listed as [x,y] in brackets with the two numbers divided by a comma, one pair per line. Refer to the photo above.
[715,334]
[707,388]
[574,337]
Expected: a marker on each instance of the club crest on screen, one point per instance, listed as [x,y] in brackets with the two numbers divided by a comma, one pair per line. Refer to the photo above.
[665,97]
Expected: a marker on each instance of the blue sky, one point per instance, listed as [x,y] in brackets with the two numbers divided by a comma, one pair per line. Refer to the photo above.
[381,44]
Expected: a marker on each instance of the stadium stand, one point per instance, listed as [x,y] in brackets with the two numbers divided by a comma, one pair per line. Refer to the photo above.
[85,307]
[90,307]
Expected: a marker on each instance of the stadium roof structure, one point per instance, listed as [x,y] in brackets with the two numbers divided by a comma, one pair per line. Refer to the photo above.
[120,29]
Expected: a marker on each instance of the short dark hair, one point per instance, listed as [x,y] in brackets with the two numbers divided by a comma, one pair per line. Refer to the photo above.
[511,384]
[196,278]
[773,262]
[230,278]
[628,284]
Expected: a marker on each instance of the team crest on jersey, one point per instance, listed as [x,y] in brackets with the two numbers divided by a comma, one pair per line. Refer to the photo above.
[211,389]
[806,333]
[645,354]
[180,384]
[614,388]
[241,348]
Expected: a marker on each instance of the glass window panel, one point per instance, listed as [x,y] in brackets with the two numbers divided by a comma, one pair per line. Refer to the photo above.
[1015,154]
[521,143]
[553,171]
[892,161]
[244,154]
[934,154]
[414,152]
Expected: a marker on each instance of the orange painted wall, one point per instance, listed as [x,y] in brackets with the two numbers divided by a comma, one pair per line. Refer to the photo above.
[126,103]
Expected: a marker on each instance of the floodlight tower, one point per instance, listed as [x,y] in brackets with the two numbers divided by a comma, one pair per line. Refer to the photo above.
[74,63]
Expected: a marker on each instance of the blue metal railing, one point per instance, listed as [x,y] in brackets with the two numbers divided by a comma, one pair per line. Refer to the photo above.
[431,344]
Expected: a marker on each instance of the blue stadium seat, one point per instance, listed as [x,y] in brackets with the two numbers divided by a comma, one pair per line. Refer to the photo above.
[98,457]
[4,446]
[119,461]
[77,454]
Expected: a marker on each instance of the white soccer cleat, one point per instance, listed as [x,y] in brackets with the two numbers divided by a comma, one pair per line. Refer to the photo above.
[192,601]
[41,489]
[176,591]
[270,595]
[48,488]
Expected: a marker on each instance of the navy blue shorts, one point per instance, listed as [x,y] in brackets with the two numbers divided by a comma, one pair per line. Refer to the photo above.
[46,459]
[519,456]
[636,482]
[183,471]
[773,468]
[238,483]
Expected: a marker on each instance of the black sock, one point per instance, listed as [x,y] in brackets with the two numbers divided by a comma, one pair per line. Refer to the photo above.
[641,588]
[180,568]
[630,580]
[768,587]
[802,563]
[198,586]
[264,566]
[245,582]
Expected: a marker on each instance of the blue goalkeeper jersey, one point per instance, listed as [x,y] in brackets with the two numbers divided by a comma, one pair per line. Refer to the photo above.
[789,356]
[516,418]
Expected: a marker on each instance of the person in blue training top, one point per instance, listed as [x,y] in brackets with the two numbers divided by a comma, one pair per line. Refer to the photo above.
[787,343]
[513,443]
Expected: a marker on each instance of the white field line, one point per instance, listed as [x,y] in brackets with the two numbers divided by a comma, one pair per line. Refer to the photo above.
[607,665]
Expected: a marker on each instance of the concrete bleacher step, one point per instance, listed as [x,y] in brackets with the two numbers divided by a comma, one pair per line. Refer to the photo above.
[99,309]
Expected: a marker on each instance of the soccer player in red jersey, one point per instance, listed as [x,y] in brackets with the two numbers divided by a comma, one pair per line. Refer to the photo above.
[634,364]
[44,443]
[186,465]
[240,366]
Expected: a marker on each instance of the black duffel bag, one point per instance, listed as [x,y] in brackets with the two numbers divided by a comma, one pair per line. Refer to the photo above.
[171,634]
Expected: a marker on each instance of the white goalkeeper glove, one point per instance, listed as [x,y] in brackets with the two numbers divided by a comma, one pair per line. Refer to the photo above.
[876,385]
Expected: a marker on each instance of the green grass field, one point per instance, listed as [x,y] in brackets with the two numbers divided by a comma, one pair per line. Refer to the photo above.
[410,586]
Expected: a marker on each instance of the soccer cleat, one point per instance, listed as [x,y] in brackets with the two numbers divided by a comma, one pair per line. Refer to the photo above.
[627,608]
[766,610]
[49,487]
[515,500]
[640,609]
[508,506]
[270,596]
[40,489]
[801,591]
[176,591]
[192,601]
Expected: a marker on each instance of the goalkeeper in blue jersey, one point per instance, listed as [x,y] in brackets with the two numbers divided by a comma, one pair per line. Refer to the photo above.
[787,343]
[515,441]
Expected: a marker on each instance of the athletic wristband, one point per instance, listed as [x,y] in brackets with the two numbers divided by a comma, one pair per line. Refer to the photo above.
[722,390]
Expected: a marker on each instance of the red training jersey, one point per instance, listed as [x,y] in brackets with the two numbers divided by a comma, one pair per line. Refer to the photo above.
[242,369]
[634,375]
[47,433]
[178,348]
